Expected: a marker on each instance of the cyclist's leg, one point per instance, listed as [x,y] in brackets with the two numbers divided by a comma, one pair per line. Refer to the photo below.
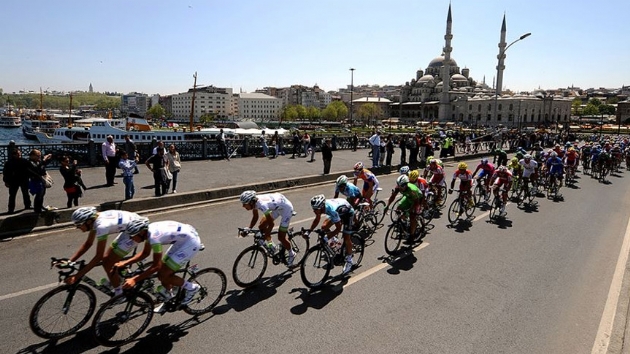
[120,247]
[174,259]
[284,226]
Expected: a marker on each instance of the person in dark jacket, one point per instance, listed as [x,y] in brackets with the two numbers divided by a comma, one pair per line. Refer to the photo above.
[296,144]
[156,164]
[389,150]
[327,155]
[402,144]
[37,171]
[70,185]
[15,177]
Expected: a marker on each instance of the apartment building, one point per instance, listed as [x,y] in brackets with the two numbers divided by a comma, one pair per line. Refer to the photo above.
[258,106]
[208,100]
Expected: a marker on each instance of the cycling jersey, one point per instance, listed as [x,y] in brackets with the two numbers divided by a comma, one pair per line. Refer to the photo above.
[183,239]
[274,205]
[350,191]
[437,174]
[368,177]
[338,209]
[529,168]
[571,156]
[112,221]
[486,169]
[411,199]
[555,165]
[422,184]
[465,177]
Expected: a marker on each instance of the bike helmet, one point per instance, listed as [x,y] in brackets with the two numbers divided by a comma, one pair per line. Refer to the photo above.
[404,170]
[462,166]
[248,196]
[502,169]
[81,215]
[433,162]
[137,225]
[571,148]
[527,156]
[358,166]
[567,144]
[318,201]
[514,160]
[484,161]
[402,181]
[413,176]
[553,154]
[342,180]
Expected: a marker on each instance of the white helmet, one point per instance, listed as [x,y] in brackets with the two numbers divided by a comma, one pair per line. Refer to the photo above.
[137,225]
[342,180]
[248,196]
[402,180]
[404,170]
[358,166]
[81,215]
[317,201]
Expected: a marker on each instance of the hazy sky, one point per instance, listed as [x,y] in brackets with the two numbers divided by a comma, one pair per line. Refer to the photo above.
[156,46]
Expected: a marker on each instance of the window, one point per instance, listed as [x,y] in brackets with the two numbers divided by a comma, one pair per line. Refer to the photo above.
[498,117]
[500,107]
[488,117]
[511,107]
[489,107]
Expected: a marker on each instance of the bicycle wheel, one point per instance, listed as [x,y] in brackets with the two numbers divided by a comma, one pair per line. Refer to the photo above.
[470,209]
[358,248]
[478,194]
[316,267]
[393,238]
[392,215]
[494,208]
[249,266]
[213,283]
[442,202]
[62,311]
[122,318]
[454,212]
[299,245]
[378,213]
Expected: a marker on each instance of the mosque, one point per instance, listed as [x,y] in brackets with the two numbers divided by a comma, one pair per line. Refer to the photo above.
[445,93]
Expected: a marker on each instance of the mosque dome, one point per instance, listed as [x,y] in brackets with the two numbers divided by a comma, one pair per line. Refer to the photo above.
[425,79]
[459,78]
[438,62]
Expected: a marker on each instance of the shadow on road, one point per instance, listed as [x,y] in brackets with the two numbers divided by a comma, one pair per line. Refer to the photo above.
[241,300]
[81,342]
[318,299]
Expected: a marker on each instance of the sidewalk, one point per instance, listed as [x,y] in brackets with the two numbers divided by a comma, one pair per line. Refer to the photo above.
[198,182]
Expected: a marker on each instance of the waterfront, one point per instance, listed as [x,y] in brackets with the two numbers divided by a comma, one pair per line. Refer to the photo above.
[15,134]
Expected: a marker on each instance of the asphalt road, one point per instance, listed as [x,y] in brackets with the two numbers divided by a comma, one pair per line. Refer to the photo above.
[535,283]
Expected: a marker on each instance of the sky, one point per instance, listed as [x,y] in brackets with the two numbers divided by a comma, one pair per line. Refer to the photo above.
[156,46]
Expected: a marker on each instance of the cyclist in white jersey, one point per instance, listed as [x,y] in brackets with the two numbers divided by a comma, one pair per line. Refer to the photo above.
[185,244]
[100,225]
[529,169]
[271,205]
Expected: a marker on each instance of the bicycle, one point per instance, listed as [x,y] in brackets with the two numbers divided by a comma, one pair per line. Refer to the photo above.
[497,203]
[250,265]
[481,192]
[399,230]
[553,187]
[67,308]
[529,191]
[461,205]
[325,255]
[372,216]
[124,317]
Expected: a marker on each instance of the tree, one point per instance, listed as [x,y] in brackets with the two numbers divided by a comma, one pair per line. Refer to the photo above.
[612,100]
[590,110]
[313,113]
[288,113]
[576,105]
[369,111]
[606,109]
[329,114]
[206,118]
[595,102]
[301,111]
[156,111]
[340,109]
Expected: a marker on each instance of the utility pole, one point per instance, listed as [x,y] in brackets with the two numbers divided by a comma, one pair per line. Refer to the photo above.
[351,95]
[192,106]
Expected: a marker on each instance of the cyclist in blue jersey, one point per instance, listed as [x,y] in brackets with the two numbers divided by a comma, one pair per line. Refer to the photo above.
[555,166]
[347,188]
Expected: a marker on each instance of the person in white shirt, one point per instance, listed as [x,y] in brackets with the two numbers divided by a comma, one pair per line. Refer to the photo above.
[375,141]
[108,149]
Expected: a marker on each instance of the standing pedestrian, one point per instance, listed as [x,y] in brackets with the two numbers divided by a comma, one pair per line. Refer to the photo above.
[263,143]
[174,165]
[37,171]
[327,155]
[130,148]
[222,147]
[296,144]
[15,177]
[312,147]
[127,165]
[355,142]
[402,144]
[381,153]
[108,149]
[306,142]
[160,145]
[70,185]
[275,140]
[158,164]
[389,150]
[375,141]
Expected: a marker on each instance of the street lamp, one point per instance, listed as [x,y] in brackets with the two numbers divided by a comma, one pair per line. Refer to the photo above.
[351,94]
[501,67]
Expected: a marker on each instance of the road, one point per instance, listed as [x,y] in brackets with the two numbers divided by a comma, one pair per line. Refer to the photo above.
[536,283]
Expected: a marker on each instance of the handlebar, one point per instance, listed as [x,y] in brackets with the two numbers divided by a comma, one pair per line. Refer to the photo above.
[64,263]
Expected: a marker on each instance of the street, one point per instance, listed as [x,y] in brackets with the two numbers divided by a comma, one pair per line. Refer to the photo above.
[537,282]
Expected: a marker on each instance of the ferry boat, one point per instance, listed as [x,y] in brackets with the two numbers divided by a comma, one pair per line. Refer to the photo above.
[9,118]
[33,125]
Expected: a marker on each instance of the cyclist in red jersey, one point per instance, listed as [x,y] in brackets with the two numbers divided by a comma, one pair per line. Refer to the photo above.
[502,178]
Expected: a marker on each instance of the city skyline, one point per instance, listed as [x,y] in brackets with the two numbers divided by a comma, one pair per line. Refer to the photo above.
[127,47]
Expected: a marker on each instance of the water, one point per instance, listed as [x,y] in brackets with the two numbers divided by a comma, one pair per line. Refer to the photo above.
[15,134]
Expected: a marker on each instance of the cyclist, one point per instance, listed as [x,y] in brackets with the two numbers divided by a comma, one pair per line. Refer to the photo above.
[185,244]
[487,170]
[422,184]
[100,225]
[347,188]
[340,214]
[437,177]
[370,182]
[411,202]
[555,167]
[271,205]
[529,167]
[571,159]
[404,170]
[502,178]
[438,161]
[465,184]
[500,157]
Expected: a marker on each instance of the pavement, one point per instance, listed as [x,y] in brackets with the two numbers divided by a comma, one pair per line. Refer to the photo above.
[198,182]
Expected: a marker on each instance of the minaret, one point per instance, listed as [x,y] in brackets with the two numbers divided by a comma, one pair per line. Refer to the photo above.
[445,105]
[501,57]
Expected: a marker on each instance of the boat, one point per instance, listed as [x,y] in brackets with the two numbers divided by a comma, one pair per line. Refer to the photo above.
[32,125]
[9,118]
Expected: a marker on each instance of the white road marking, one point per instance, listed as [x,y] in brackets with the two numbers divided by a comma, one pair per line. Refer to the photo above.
[378,267]
[28,291]
[602,340]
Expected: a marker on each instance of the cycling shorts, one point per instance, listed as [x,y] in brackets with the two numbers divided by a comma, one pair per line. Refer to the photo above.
[123,244]
[179,254]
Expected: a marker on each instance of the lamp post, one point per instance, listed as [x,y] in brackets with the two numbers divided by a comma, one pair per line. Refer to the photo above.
[351,95]
[501,67]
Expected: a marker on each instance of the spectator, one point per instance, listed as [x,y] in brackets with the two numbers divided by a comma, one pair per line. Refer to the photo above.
[381,153]
[37,171]
[15,177]
[222,149]
[70,185]
[296,144]
[355,142]
[327,155]
[333,142]
[275,141]
[402,144]
[311,148]
[127,165]
[158,164]
[160,145]
[130,148]
[306,142]
[375,142]
[174,165]
[389,150]
[263,143]
[108,149]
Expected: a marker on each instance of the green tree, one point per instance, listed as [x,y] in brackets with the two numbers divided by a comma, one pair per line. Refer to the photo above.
[606,109]
[313,113]
[288,113]
[339,108]
[369,112]
[595,102]
[156,111]
[576,105]
[590,110]
[206,118]
[329,114]
[612,100]
[301,111]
